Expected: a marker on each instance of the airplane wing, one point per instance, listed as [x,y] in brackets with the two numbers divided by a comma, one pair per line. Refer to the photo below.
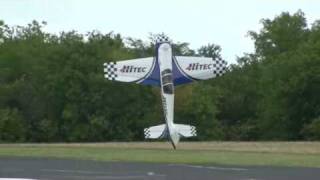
[140,71]
[188,69]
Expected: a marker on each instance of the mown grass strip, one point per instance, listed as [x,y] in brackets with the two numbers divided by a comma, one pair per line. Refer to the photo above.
[162,155]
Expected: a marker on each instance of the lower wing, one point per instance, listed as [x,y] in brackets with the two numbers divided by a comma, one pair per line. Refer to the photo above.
[140,71]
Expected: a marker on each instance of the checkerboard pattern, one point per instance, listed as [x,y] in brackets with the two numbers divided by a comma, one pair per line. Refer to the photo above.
[110,70]
[147,133]
[193,131]
[220,67]
[162,38]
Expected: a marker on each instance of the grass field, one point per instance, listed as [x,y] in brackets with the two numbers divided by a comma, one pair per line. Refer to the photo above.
[304,154]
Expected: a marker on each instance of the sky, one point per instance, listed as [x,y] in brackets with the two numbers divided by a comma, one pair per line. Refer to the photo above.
[198,22]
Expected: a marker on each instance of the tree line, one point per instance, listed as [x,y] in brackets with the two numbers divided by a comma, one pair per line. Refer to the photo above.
[52,87]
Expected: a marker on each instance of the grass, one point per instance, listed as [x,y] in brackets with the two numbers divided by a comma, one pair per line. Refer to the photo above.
[302,154]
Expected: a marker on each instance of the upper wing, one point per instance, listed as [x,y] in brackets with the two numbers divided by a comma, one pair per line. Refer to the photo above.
[198,68]
[135,70]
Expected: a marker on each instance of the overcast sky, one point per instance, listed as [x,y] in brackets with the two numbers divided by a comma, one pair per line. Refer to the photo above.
[198,22]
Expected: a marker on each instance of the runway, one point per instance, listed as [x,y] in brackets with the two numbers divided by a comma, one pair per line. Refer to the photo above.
[62,169]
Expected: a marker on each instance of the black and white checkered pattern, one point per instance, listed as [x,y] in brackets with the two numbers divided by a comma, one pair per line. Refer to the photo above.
[220,67]
[110,70]
[162,38]
[147,133]
[193,131]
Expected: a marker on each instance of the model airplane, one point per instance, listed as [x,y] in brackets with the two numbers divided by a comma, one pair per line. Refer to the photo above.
[165,71]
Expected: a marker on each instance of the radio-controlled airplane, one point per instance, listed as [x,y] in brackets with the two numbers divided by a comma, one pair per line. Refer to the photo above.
[166,71]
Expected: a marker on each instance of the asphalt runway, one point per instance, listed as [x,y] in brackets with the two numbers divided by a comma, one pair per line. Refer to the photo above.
[47,168]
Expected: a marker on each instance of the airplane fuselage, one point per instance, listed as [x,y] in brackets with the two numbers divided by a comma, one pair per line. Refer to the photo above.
[167,89]
[166,71]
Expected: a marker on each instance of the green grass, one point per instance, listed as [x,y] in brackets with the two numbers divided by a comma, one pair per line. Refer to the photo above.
[302,154]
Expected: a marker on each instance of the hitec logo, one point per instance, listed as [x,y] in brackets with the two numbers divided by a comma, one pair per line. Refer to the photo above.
[133,69]
[198,66]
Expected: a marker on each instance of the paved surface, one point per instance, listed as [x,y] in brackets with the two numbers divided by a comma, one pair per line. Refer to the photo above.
[40,168]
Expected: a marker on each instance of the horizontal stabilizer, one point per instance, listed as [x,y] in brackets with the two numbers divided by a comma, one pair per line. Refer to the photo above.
[186,130]
[155,132]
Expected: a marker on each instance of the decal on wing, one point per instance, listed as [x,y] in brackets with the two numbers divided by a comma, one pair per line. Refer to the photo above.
[199,68]
[135,70]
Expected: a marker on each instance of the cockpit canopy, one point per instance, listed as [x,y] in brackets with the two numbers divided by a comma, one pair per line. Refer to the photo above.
[167,83]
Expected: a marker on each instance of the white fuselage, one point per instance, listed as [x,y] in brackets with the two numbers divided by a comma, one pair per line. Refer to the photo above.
[167,89]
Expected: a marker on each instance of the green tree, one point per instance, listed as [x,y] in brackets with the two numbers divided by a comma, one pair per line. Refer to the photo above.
[12,126]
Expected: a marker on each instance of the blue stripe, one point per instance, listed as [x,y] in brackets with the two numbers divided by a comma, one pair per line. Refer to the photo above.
[178,77]
[154,78]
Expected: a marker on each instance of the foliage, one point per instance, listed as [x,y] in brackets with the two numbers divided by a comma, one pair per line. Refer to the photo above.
[312,130]
[12,127]
[52,87]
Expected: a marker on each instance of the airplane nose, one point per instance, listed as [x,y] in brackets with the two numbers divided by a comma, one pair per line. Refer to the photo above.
[165,47]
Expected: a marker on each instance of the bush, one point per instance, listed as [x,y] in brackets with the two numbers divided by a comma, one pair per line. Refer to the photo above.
[312,130]
[12,128]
